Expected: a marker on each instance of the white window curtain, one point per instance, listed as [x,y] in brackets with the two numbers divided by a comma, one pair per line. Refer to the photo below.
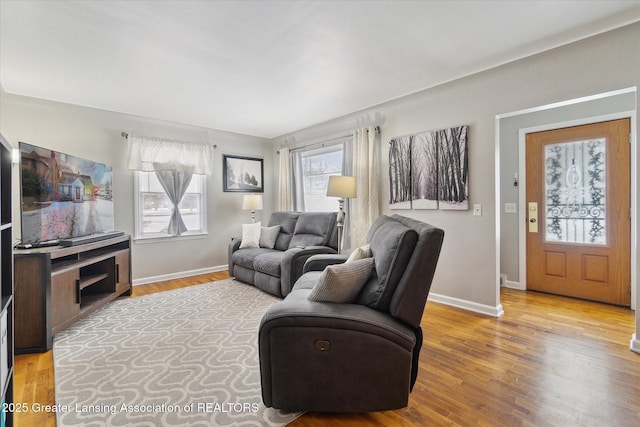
[284,181]
[365,207]
[174,163]
[146,153]
[297,183]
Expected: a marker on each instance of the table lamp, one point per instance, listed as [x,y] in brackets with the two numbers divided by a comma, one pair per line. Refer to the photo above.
[343,187]
[252,202]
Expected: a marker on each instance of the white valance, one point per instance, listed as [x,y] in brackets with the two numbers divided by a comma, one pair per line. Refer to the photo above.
[151,154]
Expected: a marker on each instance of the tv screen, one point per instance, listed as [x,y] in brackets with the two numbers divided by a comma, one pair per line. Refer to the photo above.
[63,196]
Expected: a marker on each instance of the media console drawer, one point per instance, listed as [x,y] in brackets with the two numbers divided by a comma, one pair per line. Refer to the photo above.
[56,286]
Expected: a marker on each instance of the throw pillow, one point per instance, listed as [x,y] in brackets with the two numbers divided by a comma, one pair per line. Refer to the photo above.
[360,253]
[250,235]
[268,236]
[341,282]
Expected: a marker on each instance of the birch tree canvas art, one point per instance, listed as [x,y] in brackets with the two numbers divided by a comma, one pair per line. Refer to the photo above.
[430,170]
[453,176]
[424,171]
[400,173]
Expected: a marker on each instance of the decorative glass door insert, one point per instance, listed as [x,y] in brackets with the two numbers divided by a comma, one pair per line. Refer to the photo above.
[578,184]
[575,188]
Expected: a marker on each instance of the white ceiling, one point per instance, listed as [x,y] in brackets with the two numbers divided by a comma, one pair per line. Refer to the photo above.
[267,68]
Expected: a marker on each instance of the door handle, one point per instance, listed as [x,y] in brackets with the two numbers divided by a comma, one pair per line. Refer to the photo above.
[533,217]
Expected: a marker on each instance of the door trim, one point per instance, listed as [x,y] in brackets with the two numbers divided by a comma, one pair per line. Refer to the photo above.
[522,264]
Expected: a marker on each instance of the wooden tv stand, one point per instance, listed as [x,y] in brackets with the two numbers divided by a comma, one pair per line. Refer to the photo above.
[56,286]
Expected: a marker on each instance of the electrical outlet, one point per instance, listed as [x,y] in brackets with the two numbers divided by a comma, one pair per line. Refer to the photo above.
[477,210]
[510,208]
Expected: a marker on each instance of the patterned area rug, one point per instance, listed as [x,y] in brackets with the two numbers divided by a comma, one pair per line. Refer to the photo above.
[186,357]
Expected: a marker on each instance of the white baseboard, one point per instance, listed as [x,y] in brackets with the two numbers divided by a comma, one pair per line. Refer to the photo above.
[487,310]
[514,285]
[178,275]
[634,344]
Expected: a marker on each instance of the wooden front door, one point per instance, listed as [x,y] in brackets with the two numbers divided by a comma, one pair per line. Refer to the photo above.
[578,212]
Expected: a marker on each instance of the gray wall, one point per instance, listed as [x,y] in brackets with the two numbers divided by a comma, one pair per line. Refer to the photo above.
[467,270]
[95,135]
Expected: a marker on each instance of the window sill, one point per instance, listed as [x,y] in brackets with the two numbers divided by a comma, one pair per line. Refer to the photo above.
[167,239]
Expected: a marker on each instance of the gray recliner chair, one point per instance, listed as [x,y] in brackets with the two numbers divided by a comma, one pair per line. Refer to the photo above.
[359,357]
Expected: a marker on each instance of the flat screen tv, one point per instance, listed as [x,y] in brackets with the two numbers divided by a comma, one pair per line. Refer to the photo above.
[62,196]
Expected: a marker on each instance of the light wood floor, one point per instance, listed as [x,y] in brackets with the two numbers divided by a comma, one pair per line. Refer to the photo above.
[549,361]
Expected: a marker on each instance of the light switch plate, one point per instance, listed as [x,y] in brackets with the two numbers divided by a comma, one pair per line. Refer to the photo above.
[510,208]
[477,210]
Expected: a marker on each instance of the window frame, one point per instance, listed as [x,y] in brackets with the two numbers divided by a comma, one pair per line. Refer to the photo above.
[139,236]
[338,144]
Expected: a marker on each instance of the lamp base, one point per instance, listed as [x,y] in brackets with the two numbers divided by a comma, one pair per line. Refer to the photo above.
[340,223]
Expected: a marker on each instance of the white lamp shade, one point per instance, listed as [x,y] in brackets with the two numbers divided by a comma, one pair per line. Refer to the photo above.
[252,202]
[342,186]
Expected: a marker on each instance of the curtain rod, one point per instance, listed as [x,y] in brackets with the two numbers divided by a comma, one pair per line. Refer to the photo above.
[376,130]
[321,143]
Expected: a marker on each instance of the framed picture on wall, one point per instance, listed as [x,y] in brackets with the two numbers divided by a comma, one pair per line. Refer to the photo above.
[242,174]
[430,170]
[400,172]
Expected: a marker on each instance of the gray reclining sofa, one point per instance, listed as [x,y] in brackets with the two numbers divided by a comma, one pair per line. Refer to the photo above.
[302,234]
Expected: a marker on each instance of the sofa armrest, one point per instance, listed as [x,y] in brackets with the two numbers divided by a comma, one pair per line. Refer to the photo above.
[292,265]
[320,262]
[234,245]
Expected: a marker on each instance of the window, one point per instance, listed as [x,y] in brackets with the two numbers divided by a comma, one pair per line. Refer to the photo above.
[311,175]
[153,207]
